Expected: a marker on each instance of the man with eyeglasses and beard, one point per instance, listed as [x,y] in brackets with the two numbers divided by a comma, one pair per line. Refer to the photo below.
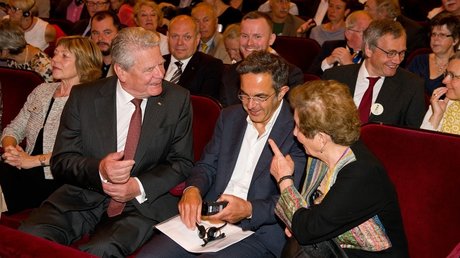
[382,91]
[104,27]
[235,165]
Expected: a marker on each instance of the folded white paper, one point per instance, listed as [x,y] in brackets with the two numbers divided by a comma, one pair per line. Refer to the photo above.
[189,240]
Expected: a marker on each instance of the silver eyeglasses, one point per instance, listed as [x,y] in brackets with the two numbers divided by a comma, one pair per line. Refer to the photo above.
[257,99]
[393,53]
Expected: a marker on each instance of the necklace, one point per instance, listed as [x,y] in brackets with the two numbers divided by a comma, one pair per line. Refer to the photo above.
[441,67]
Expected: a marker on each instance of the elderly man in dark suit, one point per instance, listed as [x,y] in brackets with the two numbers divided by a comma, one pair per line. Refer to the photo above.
[382,90]
[343,52]
[198,72]
[123,143]
[236,162]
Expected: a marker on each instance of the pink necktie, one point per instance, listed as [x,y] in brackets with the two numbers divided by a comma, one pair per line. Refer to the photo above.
[116,208]
[366,101]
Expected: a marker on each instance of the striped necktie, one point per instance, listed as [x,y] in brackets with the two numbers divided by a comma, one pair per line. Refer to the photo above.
[176,76]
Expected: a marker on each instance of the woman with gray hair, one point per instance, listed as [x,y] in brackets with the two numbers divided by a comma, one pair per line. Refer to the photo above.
[76,60]
[21,55]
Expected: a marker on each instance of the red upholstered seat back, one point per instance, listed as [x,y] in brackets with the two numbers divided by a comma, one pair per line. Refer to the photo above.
[425,169]
[16,86]
[298,51]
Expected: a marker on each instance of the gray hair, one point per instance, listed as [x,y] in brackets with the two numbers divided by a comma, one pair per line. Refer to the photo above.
[380,28]
[12,37]
[264,62]
[129,40]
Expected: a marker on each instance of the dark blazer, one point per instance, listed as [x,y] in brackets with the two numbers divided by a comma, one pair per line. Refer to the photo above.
[326,50]
[88,132]
[402,95]
[202,76]
[213,172]
[231,82]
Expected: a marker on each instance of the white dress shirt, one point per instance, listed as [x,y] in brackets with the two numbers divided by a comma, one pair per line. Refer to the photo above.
[251,149]
[173,67]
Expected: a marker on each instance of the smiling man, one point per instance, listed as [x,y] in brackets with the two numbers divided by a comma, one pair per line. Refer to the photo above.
[123,142]
[235,163]
[397,96]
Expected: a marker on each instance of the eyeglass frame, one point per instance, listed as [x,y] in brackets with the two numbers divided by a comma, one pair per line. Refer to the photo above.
[440,35]
[257,99]
[96,4]
[393,53]
[208,234]
[451,75]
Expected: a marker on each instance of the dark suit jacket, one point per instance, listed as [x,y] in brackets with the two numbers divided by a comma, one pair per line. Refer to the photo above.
[213,172]
[402,95]
[326,50]
[202,76]
[88,132]
[231,82]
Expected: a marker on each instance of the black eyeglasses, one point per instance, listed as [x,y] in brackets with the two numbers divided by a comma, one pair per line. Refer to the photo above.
[210,234]
[393,53]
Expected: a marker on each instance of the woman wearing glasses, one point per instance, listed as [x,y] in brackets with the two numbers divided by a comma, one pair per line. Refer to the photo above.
[347,205]
[38,32]
[444,112]
[444,38]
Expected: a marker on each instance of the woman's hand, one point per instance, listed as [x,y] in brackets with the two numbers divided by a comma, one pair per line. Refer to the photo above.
[17,157]
[438,106]
[281,165]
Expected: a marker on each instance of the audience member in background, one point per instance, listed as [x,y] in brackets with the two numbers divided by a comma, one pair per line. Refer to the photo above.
[343,52]
[104,27]
[450,6]
[235,163]
[256,34]
[335,28]
[444,38]
[390,9]
[284,23]
[198,72]
[347,200]
[232,42]
[444,112]
[116,182]
[37,32]
[26,177]
[83,26]
[72,10]
[211,41]
[148,15]
[265,8]
[226,14]
[125,11]
[21,55]
[382,90]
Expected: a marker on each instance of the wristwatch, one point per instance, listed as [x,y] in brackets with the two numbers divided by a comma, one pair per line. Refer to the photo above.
[42,159]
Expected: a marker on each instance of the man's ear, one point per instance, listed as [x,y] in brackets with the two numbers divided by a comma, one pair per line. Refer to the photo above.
[120,72]
[283,91]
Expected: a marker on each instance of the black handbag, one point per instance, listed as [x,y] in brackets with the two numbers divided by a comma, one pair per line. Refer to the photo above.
[326,249]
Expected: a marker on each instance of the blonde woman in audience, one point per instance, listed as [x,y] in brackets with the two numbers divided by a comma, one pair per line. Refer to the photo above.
[26,178]
[38,32]
[444,112]
[335,28]
[19,54]
[232,42]
[148,15]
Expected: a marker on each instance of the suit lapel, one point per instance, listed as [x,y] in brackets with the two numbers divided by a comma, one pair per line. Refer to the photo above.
[105,110]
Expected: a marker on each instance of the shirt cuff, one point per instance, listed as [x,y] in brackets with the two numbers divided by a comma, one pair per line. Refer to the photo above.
[140,198]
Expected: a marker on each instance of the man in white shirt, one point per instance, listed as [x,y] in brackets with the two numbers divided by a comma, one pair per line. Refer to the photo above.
[235,164]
